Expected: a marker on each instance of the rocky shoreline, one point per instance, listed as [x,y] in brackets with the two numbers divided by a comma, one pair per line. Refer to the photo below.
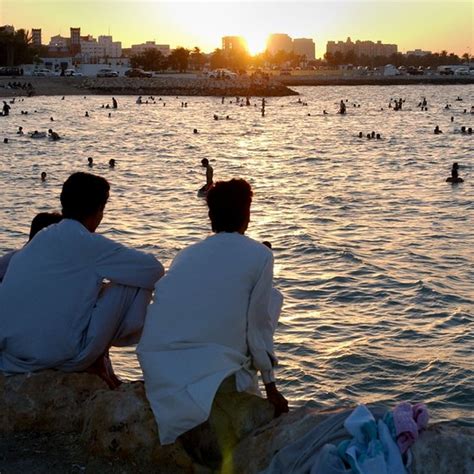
[51,422]
[156,86]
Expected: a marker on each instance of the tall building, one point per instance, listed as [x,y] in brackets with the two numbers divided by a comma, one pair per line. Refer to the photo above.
[75,42]
[279,42]
[305,47]
[137,49]
[36,37]
[361,48]
[234,43]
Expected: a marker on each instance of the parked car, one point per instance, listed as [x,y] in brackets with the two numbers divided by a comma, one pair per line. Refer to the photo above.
[285,72]
[107,73]
[136,72]
[221,74]
[42,72]
[72,73]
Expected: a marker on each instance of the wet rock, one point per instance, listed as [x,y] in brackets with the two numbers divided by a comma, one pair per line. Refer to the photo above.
[46,401]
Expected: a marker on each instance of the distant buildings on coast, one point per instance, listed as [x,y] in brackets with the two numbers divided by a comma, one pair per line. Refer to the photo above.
[361,48]
[283,42]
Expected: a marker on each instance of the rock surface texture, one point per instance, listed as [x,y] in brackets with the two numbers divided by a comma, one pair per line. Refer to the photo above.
[118,427]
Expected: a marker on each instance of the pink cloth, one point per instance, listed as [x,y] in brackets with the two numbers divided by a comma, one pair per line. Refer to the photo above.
[408,421]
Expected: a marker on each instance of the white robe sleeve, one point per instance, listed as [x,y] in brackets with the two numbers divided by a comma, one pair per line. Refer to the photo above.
[127,266]
[261,324]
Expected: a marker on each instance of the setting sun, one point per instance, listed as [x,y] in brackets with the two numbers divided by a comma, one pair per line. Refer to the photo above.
[256,42]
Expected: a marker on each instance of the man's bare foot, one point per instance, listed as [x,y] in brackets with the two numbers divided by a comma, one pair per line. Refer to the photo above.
[103,368]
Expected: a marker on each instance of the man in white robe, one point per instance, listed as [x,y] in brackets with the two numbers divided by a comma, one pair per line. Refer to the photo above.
[55,311]
[211,319]
[39,222]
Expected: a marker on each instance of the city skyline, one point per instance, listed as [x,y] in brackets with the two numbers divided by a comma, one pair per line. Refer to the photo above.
[426,25]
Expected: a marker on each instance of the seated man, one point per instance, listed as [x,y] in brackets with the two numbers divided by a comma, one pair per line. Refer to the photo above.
[211,319]
[39,222]
[55,311]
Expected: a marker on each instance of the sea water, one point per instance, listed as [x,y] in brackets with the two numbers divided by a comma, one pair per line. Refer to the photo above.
[374,251]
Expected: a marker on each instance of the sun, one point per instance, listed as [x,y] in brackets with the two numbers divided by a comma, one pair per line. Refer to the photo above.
[256,42]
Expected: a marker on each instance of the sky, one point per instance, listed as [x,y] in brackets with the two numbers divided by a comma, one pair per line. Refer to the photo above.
[414,24]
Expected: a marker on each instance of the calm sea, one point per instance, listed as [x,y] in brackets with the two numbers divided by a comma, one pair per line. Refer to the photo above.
[374,251]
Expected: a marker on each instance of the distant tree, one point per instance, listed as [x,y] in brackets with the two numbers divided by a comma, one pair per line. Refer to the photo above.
[178,59]
[151,59]
[465,56]
[14,48]
[197,60]
[218,59]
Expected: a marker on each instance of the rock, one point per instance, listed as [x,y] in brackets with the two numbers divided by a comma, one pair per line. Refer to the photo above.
[444,448]
[121,423]
[46,401]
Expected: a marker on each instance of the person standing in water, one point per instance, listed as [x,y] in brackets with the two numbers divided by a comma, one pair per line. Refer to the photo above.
[114,103]
[209,175]
[342,107]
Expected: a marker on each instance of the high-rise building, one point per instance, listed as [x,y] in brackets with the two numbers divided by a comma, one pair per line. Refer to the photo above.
[75,42]
[234,44]
[279,42]
[36,37]
[361,48]
[305,47]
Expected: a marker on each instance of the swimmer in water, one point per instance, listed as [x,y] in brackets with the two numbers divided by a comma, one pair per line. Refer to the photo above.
[216,117]
[463,129]
[20,131]
[43,176]
[209,175]
[114,103]
[51,118]
[452,119]
[5,140]
[469,130]
[195,131]
[53,135]
[437,131]
[360,134]
[112,163]
[454,175]
[87,114]
[378,136]
[90,162]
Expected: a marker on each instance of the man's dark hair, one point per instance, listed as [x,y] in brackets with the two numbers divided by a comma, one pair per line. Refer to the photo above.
[83,195]
[229,205]
[42,220]
[204,162]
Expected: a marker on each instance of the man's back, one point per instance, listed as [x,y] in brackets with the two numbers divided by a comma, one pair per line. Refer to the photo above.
[51,287]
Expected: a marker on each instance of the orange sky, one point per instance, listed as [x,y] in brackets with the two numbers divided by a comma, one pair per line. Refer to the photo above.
[420,24]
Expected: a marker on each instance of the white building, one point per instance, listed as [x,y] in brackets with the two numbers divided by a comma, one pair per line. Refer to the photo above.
[141,48]
[112,49]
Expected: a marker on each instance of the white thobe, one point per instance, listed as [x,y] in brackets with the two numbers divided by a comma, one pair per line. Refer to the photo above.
[213,316]
[4,262]
[51,315]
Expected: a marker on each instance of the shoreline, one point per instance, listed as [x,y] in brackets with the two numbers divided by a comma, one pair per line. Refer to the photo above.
[197,86]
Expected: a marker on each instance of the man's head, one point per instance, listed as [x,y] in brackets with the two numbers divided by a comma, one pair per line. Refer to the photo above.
[83,199]
[229,205]
[42,220]
[204,162]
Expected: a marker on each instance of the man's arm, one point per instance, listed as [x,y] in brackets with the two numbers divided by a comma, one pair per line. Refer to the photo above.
[260,336]
[126,266]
